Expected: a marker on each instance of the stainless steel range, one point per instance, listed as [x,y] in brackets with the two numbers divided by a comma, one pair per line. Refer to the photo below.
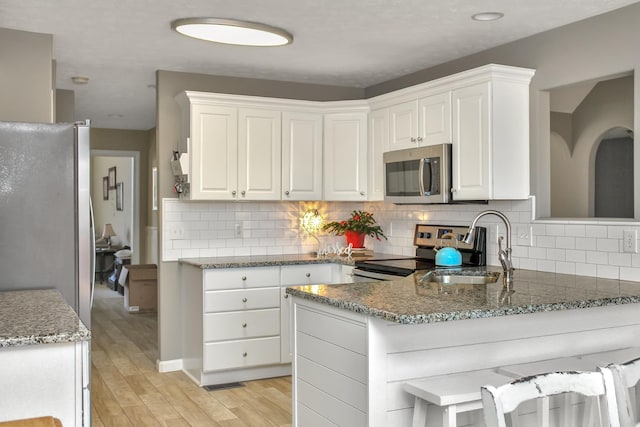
[427,238]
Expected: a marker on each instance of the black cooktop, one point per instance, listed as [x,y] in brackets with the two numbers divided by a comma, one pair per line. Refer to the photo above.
[397,266]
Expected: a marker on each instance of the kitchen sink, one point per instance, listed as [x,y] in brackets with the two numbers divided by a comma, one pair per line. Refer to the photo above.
[461,277]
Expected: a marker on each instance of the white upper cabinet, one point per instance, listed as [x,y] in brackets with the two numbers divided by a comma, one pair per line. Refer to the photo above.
[213,152]
[483,113]
[378,144]
[416,123]
[301,156]
[259,154]
[345,156]
[490,149]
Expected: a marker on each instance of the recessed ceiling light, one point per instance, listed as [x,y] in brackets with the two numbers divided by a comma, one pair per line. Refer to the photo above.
[80,80]
[231,31]
[487,16]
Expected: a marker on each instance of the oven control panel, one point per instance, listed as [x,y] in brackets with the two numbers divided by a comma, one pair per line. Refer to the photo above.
[427,235]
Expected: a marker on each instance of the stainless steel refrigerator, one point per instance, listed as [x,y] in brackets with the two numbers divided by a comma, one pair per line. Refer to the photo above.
[46,231]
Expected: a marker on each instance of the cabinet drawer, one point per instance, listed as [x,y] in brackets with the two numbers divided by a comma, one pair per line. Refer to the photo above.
[239,278]
[241,324]
[241,299]
[241,354]
[306,274]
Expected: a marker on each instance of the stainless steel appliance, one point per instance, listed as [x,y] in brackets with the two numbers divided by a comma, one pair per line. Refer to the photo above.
[418,175]
[46,234]
[427,239]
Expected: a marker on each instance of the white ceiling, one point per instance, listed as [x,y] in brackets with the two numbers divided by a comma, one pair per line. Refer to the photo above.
[356,43]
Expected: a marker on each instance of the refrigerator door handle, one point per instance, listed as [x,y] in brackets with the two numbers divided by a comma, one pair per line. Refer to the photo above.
[92,230]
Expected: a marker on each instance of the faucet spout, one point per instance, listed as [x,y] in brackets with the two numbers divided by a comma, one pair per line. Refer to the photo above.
[504,255]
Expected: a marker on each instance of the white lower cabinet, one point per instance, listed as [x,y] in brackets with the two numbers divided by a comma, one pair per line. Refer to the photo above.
[237,321]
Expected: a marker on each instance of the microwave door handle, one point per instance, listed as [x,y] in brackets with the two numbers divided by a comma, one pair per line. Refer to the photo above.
[421,180]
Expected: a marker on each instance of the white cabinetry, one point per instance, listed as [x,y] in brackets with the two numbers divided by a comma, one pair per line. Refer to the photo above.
[234,151]
[378,144]
[490,151]
[237,321]
[345,156]
[483,112]
[425,121]
[301,156]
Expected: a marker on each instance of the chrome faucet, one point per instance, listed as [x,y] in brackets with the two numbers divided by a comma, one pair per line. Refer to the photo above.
[504,255]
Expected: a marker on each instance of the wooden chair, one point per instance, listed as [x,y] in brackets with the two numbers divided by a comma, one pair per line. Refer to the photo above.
[502,400]
[626,377]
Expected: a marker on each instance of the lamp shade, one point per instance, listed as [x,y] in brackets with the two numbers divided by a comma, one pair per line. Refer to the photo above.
[108,231]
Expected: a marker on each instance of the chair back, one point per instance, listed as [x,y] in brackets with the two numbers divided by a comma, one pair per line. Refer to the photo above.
[499,401]
[625,378]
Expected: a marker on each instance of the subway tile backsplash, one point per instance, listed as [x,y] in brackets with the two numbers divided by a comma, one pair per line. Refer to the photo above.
[213,229]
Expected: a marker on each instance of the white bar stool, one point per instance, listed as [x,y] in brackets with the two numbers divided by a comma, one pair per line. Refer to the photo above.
[452,394]
[555,365]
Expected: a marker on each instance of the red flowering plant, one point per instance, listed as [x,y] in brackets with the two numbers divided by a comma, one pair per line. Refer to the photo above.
[360,222]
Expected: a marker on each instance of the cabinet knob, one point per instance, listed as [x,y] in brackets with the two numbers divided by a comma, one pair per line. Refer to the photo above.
[244,277]
[413,139]
[244,325]
[419,139]
[362,193]
[243,192]
[244,300]
[286,296]
[308,274]
[233,192]
[286,192]
[244,354]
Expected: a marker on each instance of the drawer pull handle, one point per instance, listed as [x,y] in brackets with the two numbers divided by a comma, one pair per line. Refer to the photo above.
[244,354]
[244,277]
[244,325]
[308,274]
[244,300]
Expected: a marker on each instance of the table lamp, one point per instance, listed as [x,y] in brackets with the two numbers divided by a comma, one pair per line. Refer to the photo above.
[312,223]
[108,233]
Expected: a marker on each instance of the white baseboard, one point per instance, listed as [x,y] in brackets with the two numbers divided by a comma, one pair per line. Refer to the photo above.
[169,365]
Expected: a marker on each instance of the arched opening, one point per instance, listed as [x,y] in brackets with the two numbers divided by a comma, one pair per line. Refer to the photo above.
[613,186]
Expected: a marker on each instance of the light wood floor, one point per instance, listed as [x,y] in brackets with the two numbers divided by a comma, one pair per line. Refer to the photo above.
[126,390]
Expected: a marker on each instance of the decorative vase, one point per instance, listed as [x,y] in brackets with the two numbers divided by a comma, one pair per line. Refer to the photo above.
[356,239]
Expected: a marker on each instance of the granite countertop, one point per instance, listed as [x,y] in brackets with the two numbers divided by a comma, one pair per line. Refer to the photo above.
[409,301]
[38,317]
[266,260]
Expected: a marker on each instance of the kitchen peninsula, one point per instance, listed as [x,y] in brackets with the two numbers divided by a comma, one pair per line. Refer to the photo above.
[357,344]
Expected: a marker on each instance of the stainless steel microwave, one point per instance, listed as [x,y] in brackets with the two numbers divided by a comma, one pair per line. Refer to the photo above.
[418,175]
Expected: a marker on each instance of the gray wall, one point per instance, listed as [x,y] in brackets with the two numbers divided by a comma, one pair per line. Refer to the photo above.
[26,67]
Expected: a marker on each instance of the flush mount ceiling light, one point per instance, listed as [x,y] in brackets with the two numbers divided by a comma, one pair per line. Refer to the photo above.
[487,16]
[231,31]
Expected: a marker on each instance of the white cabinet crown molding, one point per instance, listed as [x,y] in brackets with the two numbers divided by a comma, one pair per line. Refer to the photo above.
[444,84]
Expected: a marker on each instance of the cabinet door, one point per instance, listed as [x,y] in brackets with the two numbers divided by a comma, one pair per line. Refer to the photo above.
[403,126]
[301,156]
[378,144]
[259,154]
[434,118]
[286,327]
[214,152]
[345,156]
[471,140]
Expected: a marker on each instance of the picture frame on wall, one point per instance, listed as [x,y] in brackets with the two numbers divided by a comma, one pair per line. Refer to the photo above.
[105,188]
[112,178]
[120,196]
